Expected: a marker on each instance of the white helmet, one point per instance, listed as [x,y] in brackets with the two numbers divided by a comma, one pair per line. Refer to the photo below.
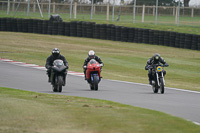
[91,54]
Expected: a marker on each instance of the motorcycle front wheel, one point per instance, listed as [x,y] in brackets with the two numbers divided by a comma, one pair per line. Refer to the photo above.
[95,83]
[155,87]
[162,86]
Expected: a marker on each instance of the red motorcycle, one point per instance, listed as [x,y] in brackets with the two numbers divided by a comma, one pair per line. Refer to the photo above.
[93,74]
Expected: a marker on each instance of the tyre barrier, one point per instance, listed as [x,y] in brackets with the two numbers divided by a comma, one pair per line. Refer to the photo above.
[101,31]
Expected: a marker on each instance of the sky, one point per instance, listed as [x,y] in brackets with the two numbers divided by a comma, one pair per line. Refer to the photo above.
[194,2]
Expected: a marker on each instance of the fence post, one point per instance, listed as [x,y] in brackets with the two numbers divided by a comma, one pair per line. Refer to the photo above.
[94,9]
[113,10]
[75,9]
[54,7]
[192,14]
[49,11]
[107,11]
[8,8]
[174,11]
[134,6]
[34,6]
[143,13]
[176,16]
[13,6]
[154,10]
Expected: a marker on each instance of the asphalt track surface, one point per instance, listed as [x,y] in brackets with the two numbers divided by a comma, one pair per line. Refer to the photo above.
[184,104]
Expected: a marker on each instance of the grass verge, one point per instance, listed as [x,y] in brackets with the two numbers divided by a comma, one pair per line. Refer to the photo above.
[31,112]
[123,61]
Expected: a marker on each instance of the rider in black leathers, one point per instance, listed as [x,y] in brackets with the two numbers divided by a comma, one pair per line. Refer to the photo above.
[91,55]
[49,62]
[155,59]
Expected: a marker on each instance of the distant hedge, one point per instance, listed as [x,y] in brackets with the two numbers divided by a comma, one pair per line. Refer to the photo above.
[101,31]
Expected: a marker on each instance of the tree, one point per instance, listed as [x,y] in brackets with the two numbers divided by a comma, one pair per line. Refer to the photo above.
[186,3]
[153,2]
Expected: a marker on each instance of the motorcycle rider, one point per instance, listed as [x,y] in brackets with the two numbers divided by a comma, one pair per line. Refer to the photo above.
[155,59]
[91,55]
[54,56]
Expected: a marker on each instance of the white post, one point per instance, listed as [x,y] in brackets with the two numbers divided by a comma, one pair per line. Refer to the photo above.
[178,13]
[8,8]
[154,10]
[134,11]
[174,11]
[92,5]
[107,11]
[28,9]
[34,7]
[176,16]
[192,15]
[113,11]
[54,7]
[71,9]
[75,9]
[156,19]
[143,13]
[49,11]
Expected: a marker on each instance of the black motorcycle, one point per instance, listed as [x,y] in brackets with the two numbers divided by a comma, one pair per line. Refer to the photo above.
[158,81]
[58,75]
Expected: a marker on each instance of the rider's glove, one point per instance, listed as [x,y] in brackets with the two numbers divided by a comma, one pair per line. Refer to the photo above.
[101,65]
[85,67]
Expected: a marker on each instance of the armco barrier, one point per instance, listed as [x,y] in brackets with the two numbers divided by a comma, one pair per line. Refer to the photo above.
[101,31]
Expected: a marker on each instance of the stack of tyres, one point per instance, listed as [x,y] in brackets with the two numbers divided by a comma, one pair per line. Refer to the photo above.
[108,30]
[67,28]
[161,38]
[79,29]
[131,33]
[45,26]
[166,38]
[8,24]
[61,28]
[103,32]
[140,35]
[136,36]
[146,36]
[3,24]
[194,42]
[151,37]
[14,25]
[89,29]
[84,29]
[177,40]
[30,25]
[113,31]
[188,41]
[50,27]
[40,26]
[25,25]
[182,40]
[0,23]
[156,37]
[19,25]
[35,25]
[55,28]
[172,39]
[124,34]
[198,45]
[118,33]
[73,28]
[96,30]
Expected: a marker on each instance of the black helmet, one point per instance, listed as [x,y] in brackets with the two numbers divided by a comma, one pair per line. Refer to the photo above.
[55,52]
[91,54]
[156,57]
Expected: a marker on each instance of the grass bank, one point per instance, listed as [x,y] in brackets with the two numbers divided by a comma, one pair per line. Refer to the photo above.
[123,61]
[30,112]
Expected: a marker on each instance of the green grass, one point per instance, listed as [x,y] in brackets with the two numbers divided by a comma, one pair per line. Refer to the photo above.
[123,61]
[30,112]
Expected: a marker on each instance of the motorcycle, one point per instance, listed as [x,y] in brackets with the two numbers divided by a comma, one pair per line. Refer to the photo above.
[58,75]
[158,81]
[93,74]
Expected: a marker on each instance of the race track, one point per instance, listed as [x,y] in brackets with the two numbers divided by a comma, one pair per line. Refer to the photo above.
[185,104]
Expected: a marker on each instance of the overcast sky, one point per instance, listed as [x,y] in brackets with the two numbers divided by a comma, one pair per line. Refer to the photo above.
[194,2]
